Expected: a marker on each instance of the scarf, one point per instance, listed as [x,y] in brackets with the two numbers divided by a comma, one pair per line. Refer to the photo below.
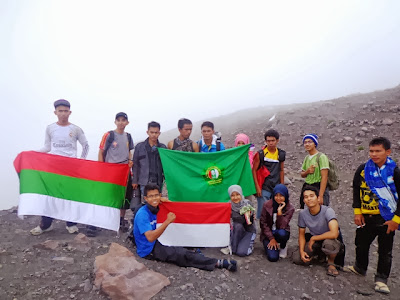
[381,183]
[152,209]
[237,206]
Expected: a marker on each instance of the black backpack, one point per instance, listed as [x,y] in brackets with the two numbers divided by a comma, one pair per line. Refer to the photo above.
[111,139]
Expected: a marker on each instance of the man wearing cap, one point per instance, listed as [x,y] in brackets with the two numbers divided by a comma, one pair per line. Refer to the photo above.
[61,139]
[315,170]
[116,147]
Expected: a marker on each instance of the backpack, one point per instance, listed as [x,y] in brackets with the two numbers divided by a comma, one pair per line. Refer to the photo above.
[333,179]
[111,139]
[262,155]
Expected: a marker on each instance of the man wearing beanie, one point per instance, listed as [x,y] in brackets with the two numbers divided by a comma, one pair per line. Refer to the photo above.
[315,170]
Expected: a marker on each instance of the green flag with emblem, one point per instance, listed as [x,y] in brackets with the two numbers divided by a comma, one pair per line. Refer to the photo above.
[205,177]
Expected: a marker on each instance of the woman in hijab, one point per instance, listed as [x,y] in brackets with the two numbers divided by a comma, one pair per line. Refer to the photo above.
[243,231]
[241,140]
[274,223]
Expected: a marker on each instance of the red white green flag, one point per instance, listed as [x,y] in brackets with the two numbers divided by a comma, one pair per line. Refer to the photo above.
[71,189]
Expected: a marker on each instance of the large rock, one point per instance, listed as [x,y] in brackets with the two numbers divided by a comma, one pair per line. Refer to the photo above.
[121,276]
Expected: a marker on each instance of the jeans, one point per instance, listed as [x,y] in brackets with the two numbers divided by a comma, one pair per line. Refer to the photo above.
[281,236]
[364,237]
[265,195]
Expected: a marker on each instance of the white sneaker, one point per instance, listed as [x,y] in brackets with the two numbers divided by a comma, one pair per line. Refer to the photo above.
[225,250]
[72,229]
[38,231]
[283,252]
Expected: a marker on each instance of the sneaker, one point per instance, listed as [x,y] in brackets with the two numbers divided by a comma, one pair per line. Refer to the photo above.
[225,250]
[72,229]
[381,287]
[123,225]
[283,252]
[38,231]
[351,269]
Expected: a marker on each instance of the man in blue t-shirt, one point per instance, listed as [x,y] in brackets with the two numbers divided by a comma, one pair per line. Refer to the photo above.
[146,236]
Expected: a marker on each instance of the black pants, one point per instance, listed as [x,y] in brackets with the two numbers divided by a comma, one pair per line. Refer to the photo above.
[364,237]
[46,223]
[181,257]
[326,199]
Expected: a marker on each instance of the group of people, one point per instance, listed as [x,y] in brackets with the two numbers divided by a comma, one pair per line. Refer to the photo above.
[375,197]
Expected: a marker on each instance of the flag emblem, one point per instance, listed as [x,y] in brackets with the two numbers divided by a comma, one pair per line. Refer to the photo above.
[213,175]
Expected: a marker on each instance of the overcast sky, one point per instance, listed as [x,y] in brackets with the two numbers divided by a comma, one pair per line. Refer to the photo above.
[163,60]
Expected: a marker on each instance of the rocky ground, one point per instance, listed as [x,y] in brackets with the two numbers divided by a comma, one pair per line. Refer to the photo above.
[30,270]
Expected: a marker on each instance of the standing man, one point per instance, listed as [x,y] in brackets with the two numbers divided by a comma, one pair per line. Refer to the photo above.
[61,139]
[376,211]
[147,168]
[209,142]
[116,147]
[182,142]
[273,159]
[315,170]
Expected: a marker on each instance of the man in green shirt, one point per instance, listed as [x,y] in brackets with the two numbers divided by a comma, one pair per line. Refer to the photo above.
[315,169]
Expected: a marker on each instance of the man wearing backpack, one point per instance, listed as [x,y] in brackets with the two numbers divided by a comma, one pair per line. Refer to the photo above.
[315,170]
[209,142]
[273,159]
[116,147]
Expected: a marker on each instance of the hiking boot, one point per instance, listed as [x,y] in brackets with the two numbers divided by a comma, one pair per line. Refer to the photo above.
[38,231]
[72,229]
[283,252]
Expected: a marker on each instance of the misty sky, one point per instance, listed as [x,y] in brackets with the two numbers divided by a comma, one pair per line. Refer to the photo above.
[163,60]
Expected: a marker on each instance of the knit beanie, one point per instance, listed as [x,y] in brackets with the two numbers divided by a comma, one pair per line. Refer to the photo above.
[312,137]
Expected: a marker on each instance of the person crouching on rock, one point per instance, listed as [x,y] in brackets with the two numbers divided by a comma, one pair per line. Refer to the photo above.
[324,240]
[274,223]
[243,231]
[146,237]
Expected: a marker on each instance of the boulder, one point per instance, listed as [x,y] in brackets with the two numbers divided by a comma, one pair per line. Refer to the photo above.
[121,276]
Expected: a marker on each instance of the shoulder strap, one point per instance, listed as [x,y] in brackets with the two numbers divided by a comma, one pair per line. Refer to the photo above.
[261,157]
[129,139]
[218,144]
[109,141]
[318,158]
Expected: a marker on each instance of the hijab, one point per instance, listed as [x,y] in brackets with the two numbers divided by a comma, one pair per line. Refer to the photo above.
[279,189]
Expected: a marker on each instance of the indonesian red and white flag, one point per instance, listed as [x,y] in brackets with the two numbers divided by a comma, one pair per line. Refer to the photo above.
[196,224]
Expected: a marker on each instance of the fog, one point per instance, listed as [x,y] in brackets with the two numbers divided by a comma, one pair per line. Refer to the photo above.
[163,60]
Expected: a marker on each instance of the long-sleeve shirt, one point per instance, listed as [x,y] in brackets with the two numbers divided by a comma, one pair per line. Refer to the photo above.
[62,140]
[364,200]
[267,219]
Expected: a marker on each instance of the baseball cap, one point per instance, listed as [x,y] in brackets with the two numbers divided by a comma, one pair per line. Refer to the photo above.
[121,114]
[62,102]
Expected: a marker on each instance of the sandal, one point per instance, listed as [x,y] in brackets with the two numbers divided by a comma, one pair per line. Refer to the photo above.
[381,287]
[332,271]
